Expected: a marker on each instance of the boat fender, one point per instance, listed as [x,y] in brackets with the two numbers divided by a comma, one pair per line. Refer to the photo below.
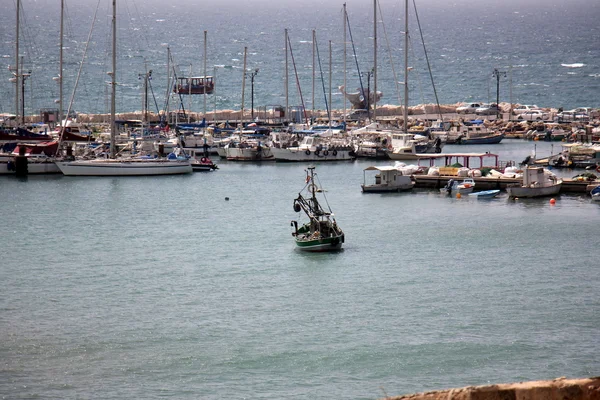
[334,153]
[598,168]
[307,152]
[316,152]
[203,159]
[325,152]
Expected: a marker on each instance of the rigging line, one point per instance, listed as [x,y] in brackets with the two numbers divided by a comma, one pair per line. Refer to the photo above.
[87,44]
[297,81]
[400,101]
[417,77]
[322,79]
[181,105]
[437,100]
[362,89]
[153,96]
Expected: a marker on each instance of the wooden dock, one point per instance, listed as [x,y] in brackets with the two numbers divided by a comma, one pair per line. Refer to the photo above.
[488,183]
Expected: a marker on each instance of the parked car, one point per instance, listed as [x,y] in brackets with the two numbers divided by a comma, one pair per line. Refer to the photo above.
[523,108]
[468,108]
[488,109]
[357,115]
[534,115]
[576,114]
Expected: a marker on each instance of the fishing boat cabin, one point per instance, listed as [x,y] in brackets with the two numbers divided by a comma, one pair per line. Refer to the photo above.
[194,85]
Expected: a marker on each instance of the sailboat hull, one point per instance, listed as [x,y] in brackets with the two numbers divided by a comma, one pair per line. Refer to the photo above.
[124,167]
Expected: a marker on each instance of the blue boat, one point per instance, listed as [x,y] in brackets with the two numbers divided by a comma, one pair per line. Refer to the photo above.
[485,194]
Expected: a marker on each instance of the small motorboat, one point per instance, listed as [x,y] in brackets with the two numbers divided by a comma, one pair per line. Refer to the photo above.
[595,193]
[454,187]
[485,194]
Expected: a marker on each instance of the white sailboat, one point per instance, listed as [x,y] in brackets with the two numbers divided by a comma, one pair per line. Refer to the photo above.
[122,166]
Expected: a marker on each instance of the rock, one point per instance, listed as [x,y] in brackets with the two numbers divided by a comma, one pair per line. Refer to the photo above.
[557,389]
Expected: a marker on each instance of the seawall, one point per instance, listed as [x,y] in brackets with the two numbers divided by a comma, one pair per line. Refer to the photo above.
[557,389]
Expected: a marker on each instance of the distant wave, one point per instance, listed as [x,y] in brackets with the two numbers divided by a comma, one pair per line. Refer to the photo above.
[574,65]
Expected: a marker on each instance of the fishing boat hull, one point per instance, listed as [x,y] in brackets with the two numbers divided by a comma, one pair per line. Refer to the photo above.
[332,243]
[291,154]
[132,167]
[527,191]
[490,139]
[263,153]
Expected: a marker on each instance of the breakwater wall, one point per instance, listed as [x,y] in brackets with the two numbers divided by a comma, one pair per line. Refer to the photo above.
[557,389]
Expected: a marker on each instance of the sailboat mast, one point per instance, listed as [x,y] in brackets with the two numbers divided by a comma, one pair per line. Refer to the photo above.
[17,74]
[406,66]
[330,94]
[345,77]
[286,77]
[113,83]
[60,68]
[205,81]
[243,85]
[374,60]
[314,43]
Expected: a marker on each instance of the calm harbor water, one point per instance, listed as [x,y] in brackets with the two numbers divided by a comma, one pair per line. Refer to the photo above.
[158,287]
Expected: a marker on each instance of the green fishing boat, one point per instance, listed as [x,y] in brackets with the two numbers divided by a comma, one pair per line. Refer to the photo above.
[321,232]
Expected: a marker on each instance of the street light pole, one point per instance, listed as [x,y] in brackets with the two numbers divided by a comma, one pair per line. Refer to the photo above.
[252,75]
[497,75]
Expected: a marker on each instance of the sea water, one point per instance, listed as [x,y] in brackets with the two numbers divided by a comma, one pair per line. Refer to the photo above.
[154,287]
[545,53]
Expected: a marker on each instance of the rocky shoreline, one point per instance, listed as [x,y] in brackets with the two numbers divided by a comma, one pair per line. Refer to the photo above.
[557,389]
[389,112]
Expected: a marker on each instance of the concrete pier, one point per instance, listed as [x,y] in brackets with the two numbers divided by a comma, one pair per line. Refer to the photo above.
[488,183]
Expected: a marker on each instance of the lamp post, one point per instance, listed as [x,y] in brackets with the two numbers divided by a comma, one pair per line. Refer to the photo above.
[252,74]
[497,75]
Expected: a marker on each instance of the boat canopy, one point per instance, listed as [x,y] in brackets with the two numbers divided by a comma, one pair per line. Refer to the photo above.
[381,168]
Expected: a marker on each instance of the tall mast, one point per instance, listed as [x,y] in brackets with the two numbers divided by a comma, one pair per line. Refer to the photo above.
[406,66]
[374,60]
[204,114]
[345,83]
[330,97]
[286,76]
[113,82]
[168,84]
[60,68]
[314,43]
[17,70]
[243,85]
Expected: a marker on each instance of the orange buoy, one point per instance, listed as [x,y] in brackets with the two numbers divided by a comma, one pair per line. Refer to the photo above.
[553,201]
[458,196]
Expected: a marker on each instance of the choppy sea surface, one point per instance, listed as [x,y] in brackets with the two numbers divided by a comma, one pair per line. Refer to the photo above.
[547,52]
[159,287]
